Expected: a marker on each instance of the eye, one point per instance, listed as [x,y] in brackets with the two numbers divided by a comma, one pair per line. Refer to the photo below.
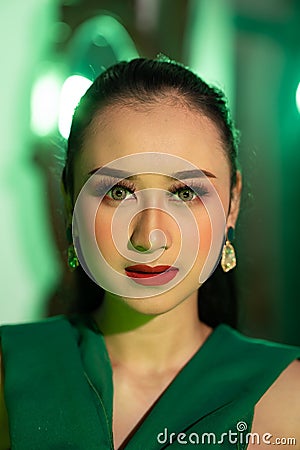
[186,194]
[119,193]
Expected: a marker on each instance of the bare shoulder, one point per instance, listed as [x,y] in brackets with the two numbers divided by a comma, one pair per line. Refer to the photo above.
[278,411]
[5,441]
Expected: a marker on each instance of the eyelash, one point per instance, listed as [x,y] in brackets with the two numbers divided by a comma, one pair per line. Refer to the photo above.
[105,187]
[198,189]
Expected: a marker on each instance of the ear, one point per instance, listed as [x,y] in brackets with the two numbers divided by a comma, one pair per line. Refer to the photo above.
[235,201]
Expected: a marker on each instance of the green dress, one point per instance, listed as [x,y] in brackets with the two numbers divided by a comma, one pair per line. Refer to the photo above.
[59,392]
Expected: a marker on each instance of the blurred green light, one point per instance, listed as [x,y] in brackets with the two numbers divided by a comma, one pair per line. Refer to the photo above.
[73,89]
[45,103]
[298,97]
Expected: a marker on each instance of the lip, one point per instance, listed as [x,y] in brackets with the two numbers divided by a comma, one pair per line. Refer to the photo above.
[151,276]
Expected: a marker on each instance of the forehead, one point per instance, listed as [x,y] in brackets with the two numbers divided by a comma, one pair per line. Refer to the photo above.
[117,132]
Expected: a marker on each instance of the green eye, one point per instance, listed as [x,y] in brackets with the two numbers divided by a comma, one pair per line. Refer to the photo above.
[186,195]
[118,193]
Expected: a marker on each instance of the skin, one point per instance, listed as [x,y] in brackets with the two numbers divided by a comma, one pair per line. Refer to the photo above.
[150,340]
[156,130]
[163,332]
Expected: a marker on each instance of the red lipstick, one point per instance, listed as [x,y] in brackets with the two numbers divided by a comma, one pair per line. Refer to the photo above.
[151,276]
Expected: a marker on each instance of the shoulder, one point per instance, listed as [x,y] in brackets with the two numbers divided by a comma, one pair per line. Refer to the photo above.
[269,377]
[17,338]
[260,361]
[26,342]
[5,441]
[278,410]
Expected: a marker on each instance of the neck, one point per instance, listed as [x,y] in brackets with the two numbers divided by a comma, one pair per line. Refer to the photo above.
[151,342]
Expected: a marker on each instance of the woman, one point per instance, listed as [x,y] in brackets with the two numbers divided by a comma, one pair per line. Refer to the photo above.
[152,192]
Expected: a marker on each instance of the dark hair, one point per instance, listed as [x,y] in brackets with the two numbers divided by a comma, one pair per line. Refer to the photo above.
[142,82]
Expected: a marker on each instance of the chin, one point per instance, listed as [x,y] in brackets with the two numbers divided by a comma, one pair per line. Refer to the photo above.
[157,305]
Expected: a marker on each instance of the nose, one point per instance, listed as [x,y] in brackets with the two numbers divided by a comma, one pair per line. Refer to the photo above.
[150,231]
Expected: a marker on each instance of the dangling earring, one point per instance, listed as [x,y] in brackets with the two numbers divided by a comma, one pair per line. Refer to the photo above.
[72,257]
[228,260]
[73,262]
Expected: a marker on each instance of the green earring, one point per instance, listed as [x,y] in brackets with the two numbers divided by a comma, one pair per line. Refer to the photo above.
[72,257]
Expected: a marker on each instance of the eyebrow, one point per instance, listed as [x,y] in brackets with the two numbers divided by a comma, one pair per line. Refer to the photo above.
[195,173]
[115,173]
[182,175]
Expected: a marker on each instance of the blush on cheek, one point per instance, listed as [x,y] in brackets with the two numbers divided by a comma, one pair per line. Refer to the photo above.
[210,223]
[205,238]
[205,242]
[104,237]
[204,227]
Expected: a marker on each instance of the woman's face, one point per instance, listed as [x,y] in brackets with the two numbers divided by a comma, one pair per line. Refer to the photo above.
[155,231]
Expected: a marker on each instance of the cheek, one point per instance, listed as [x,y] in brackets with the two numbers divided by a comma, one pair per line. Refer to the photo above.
[103,234]
[196,238]
[204,228]
[211,222]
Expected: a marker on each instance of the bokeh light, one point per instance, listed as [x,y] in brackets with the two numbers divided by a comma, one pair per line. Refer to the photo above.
[298,97]
[73,89]
[45,103]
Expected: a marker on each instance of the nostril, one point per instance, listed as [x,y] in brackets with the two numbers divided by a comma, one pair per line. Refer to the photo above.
[132,245]
[149,232]
[157,240]
[147,244]
[141,249]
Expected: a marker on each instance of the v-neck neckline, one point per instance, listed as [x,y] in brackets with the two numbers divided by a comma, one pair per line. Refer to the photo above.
[102,381]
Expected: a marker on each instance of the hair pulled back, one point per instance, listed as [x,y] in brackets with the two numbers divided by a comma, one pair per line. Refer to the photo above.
[140,83]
